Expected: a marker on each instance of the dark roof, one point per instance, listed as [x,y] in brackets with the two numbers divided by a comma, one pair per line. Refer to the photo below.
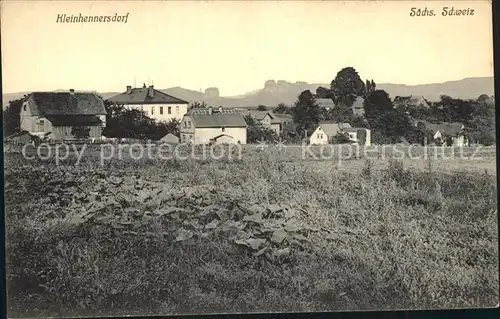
[65,103]
[260,115]
[226,118]
[411,100]
[74,120]
[280,118]
[331,128]
[452,129]
[325,102]
[145,95]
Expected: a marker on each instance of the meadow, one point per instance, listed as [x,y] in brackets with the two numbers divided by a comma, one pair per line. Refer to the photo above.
[271,231]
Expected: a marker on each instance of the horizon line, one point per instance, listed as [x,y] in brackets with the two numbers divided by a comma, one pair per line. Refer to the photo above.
[291,82]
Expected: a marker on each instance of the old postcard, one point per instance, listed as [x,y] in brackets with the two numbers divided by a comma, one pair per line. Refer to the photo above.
[214,157]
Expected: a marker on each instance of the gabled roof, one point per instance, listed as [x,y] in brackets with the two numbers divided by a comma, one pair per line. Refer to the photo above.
[65,103]
[411,100]
[325,103]
[227,118]
[331,128]
[260,115]
[145,95]
[280,118]
[452,129]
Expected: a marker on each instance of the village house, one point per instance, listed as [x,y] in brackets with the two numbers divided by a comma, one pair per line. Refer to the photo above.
[357,106]
[213,126]
[411,101]
[453,131]
[155,104]
[279,123]
[326,131]
[54,115]
[170,139]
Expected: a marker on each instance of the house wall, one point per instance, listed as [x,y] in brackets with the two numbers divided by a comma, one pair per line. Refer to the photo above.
[160,112]
[205,134]
[459,141]
[318,137]
[33,123]
[64,132]
[276,128]
[224,140]
[186,130]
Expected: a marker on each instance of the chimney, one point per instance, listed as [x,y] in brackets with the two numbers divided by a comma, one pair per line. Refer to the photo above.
[151,91]
[210,110]
[129,89]
[71,91]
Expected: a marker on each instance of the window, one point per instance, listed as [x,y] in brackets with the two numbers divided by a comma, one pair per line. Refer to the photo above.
[152,110]
[185,124]
[223,129]
[177,109]
[169,110]
[161,109]
[189,124]
[24,107]
[318,135]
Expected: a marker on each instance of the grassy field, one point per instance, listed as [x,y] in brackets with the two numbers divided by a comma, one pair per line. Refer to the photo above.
[267,232]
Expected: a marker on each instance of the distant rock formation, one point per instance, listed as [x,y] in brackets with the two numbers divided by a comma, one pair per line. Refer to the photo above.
[270,84]
[212,93]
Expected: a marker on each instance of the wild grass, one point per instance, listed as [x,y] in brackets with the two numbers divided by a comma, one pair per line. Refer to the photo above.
[393,237]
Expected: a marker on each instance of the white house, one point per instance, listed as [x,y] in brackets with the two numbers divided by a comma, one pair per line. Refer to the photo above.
[443,131]
[155,104]
[326,131]
[209,125]
[56,114]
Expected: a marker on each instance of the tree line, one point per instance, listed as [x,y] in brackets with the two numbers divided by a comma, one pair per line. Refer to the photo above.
[389,124]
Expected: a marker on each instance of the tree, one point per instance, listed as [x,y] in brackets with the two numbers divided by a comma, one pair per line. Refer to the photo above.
[347,86]
[341,138]
[80,132]
[306,113]
[125,123]
[262,108]
[12,115]
[376,105]
[324,93]
[370,87]
[282,109]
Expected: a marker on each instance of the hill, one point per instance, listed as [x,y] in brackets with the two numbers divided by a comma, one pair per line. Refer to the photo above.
[275,92]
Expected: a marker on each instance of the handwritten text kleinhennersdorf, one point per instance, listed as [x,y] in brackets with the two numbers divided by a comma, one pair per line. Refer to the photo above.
[71,18]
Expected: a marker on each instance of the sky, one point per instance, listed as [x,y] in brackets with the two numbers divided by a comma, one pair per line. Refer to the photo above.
[238,45]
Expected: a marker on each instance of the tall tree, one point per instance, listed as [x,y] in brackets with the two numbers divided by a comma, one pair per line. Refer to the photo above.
[11,116]
[347,86]
[376,104]
[282,109]
[306,113]
[370,87]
